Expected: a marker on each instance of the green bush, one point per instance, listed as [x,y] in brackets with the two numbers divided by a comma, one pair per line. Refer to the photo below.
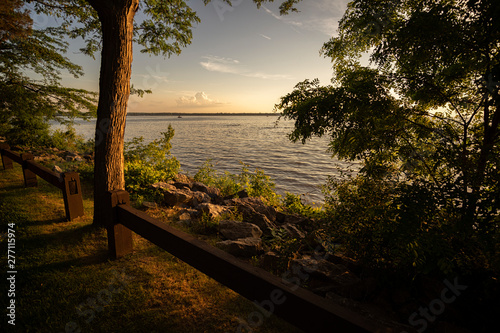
[257,184]
[405,227]
[293,204]
[149,163]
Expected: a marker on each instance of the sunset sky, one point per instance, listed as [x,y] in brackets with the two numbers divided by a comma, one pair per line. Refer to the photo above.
[242,59]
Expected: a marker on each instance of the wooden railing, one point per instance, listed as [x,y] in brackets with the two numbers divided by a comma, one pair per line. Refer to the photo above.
[296,305]
[68,182]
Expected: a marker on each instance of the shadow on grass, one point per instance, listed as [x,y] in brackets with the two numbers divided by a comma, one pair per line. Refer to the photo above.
[64,239]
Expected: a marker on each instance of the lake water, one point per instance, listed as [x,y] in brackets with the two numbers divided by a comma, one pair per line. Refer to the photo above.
[231,139]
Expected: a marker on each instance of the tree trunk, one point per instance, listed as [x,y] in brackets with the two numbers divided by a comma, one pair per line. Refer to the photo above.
[117,19]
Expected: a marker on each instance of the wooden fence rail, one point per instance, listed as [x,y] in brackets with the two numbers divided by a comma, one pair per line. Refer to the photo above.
[67,182]
[286,299]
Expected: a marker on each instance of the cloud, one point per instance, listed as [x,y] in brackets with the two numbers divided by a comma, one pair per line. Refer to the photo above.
[264,36]
[200,99]
[231,66]
[319,15]
[284,19]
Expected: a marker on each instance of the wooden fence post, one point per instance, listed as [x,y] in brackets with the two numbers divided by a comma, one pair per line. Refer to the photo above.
[72,195]
[7,162]
[119,236]
[29,176]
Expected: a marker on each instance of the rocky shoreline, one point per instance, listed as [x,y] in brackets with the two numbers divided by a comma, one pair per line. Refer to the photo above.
[247,227]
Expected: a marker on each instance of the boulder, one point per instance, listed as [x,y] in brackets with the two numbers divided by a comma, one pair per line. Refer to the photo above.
[177,197]
[57,169]
[262,222]
[213,192]
[325,270]
[254,211]
[293,231]
[182,185]
[197,186]
[182,178]
[199,198]
[242,194]
[163,186]
[188,214]
[235,230]
[244,247]
[284,218]
[148,204]
[252,204]
[212,210]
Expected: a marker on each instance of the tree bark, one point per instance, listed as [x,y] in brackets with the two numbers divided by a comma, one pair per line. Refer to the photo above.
[117,19]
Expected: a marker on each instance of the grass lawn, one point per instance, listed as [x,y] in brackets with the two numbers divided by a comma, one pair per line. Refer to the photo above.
[65,281]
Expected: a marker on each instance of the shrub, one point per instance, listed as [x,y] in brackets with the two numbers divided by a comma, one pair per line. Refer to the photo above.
[405,227]
[293,203]
[146,164]
[257,184]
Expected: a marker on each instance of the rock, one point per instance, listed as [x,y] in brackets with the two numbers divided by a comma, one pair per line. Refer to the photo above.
[57,169]
[197,186]
[293,231]
[182,178]
[262,222]
[163,186]
[79,158]
[242,194]
[244,247]
[148,204]
[212,210]
[187,214]
[177,197]
[340,259]
[69,158]
[199,198]
[283,218]
[257,205]
[235,230]
[255,211]
[213,192]
[182,185]
[325,270]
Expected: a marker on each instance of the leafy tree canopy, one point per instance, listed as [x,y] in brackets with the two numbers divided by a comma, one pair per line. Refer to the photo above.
[164,27]
[415,96]
[31,65]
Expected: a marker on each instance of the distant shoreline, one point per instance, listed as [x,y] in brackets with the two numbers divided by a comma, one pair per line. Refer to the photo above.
[177,114]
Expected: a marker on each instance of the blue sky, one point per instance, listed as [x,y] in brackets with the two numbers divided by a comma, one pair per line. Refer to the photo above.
[242,59]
